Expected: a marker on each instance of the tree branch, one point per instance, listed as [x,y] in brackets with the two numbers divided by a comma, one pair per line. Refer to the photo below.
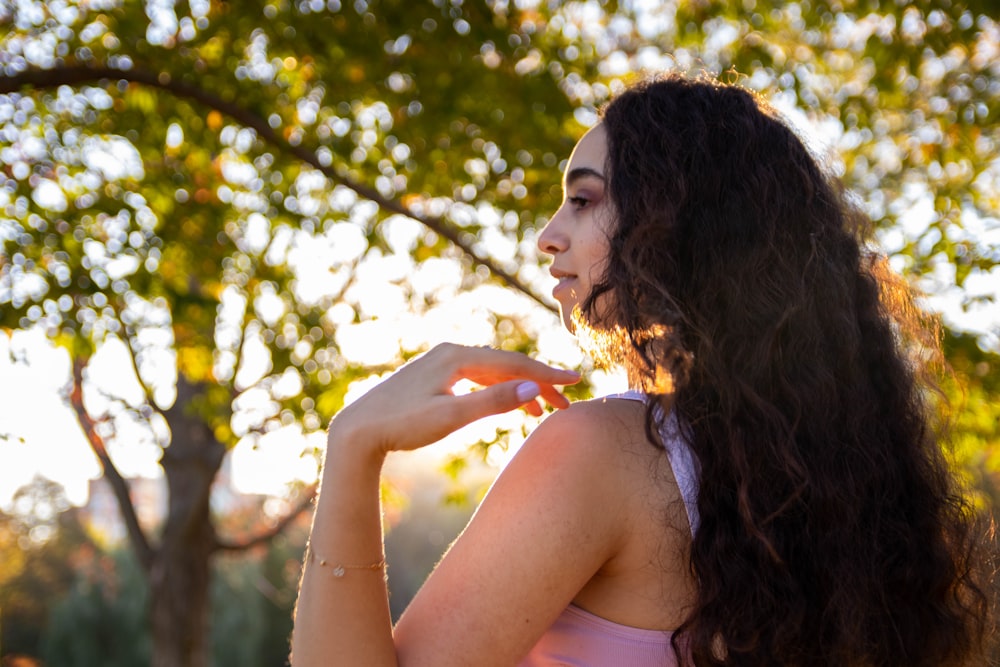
[267,535]
[119,485]
[147,393]
[70,75]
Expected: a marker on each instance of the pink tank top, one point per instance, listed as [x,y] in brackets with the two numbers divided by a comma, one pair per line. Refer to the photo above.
[579,638]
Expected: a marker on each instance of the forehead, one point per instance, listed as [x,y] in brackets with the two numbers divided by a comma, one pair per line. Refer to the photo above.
[589,154]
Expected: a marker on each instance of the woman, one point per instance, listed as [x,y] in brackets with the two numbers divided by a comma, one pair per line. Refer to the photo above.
[771,494]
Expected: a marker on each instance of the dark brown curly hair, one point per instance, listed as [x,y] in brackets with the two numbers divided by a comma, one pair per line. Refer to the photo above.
[832,531]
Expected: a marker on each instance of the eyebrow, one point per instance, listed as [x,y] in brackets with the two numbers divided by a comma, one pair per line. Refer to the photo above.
[576,174]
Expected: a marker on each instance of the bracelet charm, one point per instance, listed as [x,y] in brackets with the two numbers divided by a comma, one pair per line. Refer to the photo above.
[339,570]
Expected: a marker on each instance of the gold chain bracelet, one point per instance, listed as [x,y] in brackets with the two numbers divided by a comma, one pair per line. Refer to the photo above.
[339,570]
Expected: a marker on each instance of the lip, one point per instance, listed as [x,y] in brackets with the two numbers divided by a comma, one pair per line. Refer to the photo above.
[565,282]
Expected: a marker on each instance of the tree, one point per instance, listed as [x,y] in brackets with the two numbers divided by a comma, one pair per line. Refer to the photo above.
[40,536]
[166,205]
[213,183]
[101,619]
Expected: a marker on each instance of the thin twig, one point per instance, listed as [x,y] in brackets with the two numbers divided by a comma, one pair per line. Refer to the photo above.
[266,536]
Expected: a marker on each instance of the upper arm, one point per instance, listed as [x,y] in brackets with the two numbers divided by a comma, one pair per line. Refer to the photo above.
[548,524]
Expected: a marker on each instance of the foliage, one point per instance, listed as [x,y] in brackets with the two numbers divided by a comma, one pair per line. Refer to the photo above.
[270,200]
[103,618]
[141,212]
[41,541]
[972,389]
[909,91]
[102,621]
[100,616]
[134,211]
[191,239]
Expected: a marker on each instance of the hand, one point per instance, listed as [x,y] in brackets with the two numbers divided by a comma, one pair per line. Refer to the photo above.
[416,406]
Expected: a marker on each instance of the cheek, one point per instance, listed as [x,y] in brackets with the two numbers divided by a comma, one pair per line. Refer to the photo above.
[600,238]
[598,256]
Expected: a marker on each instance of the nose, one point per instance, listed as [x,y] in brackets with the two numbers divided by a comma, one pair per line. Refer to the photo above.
[553,238]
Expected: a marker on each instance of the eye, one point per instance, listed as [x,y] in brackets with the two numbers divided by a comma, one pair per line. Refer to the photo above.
[578,202]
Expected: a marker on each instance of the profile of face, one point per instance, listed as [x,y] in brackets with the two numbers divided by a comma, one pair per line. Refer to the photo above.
[577,235]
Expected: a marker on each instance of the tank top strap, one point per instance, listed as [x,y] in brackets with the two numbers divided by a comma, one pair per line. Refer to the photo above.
[682,459]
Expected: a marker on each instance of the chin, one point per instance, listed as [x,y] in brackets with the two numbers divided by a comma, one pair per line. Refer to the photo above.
[567,319]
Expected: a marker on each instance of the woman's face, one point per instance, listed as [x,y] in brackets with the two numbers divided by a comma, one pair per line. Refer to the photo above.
[577,235]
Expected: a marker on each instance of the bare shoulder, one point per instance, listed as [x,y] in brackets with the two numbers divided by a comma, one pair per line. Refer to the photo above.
[600,446]
[623,483]
[605,442]
[558,514]
[585,451]
[601,431]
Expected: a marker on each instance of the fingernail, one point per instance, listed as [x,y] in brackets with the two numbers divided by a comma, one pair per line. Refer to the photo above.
[527,391]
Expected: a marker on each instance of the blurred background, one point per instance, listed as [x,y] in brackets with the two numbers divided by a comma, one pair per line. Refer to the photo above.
[221,221]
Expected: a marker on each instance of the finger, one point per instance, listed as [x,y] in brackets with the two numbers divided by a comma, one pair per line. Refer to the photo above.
[553,397]
[499,398]
[488,366]
[533,408]
[491,376]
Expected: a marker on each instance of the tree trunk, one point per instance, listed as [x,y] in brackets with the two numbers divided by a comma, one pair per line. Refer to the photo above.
[180,574]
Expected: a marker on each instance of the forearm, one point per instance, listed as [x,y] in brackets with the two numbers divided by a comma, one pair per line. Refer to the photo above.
[345,620]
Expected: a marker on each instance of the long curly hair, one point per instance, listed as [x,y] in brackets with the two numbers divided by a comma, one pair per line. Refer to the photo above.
[832,531]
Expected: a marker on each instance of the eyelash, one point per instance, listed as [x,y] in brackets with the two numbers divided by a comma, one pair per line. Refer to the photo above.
[578,202]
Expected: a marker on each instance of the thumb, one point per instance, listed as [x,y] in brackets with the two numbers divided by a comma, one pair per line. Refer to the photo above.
[501,397]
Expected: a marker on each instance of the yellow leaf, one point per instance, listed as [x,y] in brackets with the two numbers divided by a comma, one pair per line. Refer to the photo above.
[214,120]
